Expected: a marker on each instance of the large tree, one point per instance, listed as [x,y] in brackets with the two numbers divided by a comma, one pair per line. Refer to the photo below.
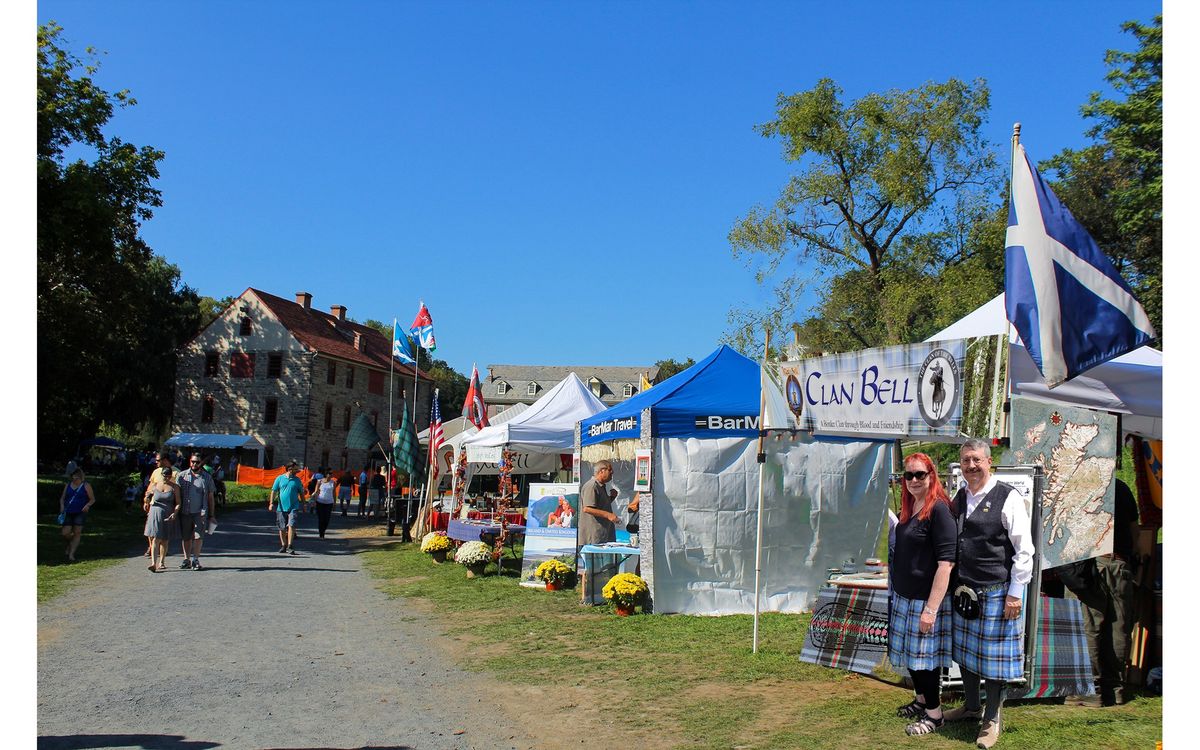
[1114,186]
[887,194]
[110,312]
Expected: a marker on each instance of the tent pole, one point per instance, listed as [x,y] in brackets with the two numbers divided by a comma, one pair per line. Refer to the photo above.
[762,460]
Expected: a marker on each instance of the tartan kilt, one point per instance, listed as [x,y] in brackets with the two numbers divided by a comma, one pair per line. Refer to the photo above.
[991,646]
[908,647]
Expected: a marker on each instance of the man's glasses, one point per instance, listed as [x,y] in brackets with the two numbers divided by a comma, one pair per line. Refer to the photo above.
[917,475]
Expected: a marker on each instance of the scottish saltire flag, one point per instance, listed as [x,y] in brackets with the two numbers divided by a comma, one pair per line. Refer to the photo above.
[422,329]
[436,436]
[402,345]
[1062,294]
[474,409]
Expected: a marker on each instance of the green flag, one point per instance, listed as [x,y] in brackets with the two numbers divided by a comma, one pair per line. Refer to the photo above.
[362,435]
[406,452]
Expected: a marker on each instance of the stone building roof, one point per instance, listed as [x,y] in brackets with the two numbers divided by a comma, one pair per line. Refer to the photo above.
[330,336]
[609,380]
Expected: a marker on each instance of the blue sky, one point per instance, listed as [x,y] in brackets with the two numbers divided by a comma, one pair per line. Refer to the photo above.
[555,180]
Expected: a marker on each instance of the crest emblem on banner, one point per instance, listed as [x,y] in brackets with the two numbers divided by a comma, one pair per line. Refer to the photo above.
[939,386]
[795,397]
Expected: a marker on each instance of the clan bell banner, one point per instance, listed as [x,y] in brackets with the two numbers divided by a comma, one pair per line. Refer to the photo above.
[932,390]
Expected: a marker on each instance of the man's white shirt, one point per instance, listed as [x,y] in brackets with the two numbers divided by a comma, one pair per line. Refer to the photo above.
[1016,522]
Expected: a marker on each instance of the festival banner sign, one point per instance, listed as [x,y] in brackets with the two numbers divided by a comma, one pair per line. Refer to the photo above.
[551,528]
[935,390]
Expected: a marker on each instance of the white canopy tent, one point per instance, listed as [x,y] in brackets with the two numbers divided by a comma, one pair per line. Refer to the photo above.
[456,431]
[548,426]
[1130,385]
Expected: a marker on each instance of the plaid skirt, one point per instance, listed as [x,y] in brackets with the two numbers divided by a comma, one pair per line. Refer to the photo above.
[991,646]
[908,647]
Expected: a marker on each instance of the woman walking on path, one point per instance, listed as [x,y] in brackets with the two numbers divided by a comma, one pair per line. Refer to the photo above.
[161,506]
[345,489]
[363,478]
[76,500]
[325,490]
[920,626]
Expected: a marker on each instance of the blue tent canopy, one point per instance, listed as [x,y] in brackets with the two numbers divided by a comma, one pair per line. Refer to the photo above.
[212,441]
[716,397]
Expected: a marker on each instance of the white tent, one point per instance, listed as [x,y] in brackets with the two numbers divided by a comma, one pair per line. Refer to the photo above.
[463,429]
[1130,385]
[546,427]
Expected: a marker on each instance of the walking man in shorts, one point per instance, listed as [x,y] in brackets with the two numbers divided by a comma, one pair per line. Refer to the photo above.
[289,490]
[196,507]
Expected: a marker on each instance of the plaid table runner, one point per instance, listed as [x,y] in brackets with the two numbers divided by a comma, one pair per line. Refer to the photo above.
[848,630]
[1061,662]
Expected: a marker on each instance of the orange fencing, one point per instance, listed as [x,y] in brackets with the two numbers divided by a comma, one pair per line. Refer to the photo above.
[266,477]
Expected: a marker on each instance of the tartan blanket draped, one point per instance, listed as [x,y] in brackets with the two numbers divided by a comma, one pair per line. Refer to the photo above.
[1062,664]
[848,630]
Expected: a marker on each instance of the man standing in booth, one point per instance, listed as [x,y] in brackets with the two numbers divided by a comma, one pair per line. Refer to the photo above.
[597,523]
[995,561]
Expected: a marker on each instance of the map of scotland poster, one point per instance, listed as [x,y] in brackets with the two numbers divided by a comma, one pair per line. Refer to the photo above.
[1077,450]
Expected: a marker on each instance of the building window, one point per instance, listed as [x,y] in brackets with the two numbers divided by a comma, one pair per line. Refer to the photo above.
[627,391]
[345,459]
[328,416]
[269,457]
[271,411]
[501,388]
[212,364]
[401,389]
[247,327]
[275,365]
[375,382]
[346,419]
[241,365]
[324,458]
[596,387]
[331,374]
[206,409]
[531,389]
[349,377]
[375,419]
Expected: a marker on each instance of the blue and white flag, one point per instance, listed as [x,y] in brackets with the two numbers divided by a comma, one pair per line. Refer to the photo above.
[1062,294]
[402,346]
[422,329]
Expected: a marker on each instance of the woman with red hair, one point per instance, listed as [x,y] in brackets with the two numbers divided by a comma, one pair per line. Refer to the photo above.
[919,631]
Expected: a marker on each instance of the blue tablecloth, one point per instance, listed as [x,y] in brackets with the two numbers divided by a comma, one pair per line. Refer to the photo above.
[468,531]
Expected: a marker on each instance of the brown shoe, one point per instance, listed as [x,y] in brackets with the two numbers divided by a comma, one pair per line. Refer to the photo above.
[962,713]
[988,734]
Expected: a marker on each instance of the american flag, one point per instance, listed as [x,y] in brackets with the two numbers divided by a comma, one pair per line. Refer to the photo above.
[436,436]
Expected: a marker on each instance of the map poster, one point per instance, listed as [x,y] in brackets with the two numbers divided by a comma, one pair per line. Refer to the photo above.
[1077,450]
[551,527]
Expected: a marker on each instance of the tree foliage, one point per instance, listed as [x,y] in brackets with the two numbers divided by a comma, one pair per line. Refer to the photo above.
[669,367]
[110,313]
[888,191]
[1114,186]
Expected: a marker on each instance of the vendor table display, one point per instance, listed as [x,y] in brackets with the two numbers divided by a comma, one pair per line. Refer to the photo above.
[474,531]
[849,629]
[603,561]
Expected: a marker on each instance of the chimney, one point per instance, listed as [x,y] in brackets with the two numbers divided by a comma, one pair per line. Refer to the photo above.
[339,312]
[304,299]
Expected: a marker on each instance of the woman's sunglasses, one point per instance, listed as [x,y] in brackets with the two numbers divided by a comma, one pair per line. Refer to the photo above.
[917,475]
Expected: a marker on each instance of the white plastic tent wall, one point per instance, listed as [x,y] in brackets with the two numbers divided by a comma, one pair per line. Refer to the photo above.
[454,441]
[1130,385]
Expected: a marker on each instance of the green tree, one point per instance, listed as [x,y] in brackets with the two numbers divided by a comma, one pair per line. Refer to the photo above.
[110,313]
[885,197]
[211,308]
[1114,186]
[669,367]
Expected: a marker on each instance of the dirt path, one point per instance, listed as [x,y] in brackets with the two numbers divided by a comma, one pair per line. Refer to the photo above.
[258,650]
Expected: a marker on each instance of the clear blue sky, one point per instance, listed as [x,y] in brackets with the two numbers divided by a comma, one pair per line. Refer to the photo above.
[555,180]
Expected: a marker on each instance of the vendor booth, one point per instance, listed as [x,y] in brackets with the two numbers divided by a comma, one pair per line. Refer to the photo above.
[824,499]
[247,448]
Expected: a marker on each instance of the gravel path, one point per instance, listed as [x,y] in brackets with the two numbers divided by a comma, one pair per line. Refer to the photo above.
[257,650]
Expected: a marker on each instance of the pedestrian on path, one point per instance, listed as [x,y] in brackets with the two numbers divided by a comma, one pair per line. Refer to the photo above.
[162,459]
[161,506]
[325,490]
[289,490]
[76,500]
[376,492]
[363,479]
[345,489]
[196,493]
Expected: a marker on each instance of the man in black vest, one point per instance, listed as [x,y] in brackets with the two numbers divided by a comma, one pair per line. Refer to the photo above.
[995,559]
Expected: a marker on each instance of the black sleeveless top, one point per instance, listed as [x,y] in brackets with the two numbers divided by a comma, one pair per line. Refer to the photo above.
[986,553]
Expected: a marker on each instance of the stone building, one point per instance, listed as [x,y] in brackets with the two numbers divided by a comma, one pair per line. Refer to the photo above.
[293,377]
[506,385]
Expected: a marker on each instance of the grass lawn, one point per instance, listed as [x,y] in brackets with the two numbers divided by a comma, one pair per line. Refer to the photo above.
[109,534]
[681,681]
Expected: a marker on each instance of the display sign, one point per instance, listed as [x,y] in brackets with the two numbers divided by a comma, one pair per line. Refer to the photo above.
[551,528]
[641,470]
[484,455]
[937,389]
[615,427]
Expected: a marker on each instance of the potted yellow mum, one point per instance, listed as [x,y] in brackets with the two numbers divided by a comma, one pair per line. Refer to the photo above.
[625,591]
[555,573]
[436,545]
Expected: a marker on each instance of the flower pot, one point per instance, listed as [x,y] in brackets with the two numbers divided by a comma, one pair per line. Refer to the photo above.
[476,570]
[438,556]
[625,610]
[551,586]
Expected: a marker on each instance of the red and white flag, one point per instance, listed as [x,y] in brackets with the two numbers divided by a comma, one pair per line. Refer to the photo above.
[436,436]
[474,409]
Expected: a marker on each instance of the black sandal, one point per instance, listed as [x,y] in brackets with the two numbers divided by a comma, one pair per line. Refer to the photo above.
[914,710]
[926,725]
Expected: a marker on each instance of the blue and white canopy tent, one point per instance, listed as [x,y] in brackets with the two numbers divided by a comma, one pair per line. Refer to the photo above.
[824,499]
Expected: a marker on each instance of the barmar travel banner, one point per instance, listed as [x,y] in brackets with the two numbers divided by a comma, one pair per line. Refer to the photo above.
[936,390]
[551,527]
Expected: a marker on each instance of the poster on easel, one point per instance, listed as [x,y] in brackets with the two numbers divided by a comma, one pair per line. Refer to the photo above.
[551,528]
[641,470]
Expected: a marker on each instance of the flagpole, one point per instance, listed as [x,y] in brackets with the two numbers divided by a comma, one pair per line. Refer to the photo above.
[762,462]
[391,383]
[1012,170]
